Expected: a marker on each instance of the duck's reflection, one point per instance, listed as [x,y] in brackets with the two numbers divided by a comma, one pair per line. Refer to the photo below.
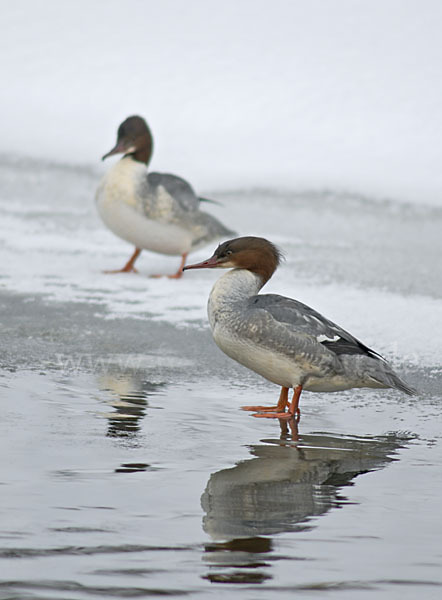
[129,393]
[289,481]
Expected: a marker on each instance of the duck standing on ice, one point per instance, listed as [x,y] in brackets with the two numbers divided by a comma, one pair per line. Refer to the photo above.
[282,339]
[153,211]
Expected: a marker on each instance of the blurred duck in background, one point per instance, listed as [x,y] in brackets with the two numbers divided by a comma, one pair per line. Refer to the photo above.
[153,211]
[282,339]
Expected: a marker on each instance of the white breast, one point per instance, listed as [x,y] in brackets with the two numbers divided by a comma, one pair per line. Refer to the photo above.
[270,365]
[121,209]
[227,314]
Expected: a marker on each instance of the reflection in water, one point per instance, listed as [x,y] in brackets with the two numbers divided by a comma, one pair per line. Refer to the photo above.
[287,483]
[129,399]
[244,555]
[132,467]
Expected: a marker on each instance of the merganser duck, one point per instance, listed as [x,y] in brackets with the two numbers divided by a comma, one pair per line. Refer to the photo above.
[153,211]
[282,339]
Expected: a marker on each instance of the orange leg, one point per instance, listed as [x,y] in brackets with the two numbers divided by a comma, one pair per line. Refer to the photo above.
[294,411]
[129,266]
[179,273]
[280,407]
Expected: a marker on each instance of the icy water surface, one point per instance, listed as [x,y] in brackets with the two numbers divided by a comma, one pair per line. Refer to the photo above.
[129,470]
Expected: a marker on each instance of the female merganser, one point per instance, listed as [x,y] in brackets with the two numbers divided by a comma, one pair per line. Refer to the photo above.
[153,211]
[282,339]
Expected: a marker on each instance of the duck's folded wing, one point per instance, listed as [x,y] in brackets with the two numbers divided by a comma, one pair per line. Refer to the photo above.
[294,328]
[177,189]
[302,319]
[206,228]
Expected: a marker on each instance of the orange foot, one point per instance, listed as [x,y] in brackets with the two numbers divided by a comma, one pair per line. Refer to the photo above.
[279,415]
[293,411]
[176,275]
[279,408]
[129,266]
[123,270]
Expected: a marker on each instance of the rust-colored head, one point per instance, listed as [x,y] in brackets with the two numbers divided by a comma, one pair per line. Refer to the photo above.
[134,138]
[252,253]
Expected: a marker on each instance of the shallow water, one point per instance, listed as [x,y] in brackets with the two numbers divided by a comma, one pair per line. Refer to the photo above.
[131,470]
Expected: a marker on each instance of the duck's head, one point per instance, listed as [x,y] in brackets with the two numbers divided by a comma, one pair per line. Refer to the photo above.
[252,253]
[134,138]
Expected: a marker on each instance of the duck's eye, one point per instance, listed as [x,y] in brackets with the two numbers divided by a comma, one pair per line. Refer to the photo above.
[228,252]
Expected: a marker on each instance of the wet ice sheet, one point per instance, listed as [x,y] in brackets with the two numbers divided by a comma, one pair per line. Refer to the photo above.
[120,486]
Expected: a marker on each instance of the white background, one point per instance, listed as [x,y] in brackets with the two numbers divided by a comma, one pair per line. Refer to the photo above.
[300,94]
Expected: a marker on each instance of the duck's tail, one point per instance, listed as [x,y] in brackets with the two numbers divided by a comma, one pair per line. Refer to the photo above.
[210,201]
[390,379]
[373,371]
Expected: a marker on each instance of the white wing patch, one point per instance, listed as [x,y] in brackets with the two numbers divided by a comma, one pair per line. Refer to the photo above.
[323,338]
